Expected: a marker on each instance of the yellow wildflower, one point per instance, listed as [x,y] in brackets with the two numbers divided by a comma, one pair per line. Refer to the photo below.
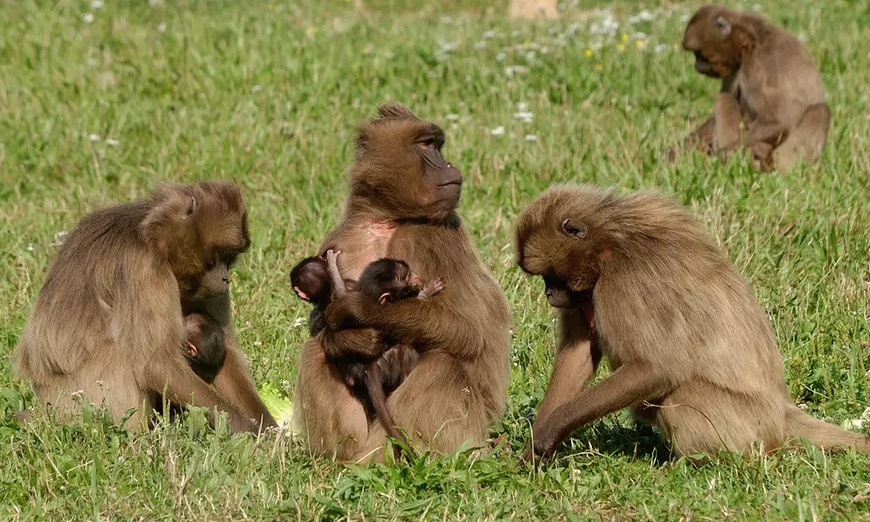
[620,47]
[589,53]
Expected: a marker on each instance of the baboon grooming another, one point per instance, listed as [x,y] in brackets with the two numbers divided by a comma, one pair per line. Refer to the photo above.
[402,205]
[690,348]
[108,324]
[772,100]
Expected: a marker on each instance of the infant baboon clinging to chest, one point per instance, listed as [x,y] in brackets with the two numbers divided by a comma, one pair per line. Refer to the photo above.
[691,350]
[386,280]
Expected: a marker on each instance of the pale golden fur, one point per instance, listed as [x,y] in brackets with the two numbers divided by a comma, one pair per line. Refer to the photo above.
[459,385]
[691,349]
[771,101]
[107,325]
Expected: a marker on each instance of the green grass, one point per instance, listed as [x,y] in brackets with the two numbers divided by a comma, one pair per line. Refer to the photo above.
[269,94]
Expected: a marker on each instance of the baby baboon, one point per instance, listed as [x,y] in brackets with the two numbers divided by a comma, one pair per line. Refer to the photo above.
[108,324]
[770,85]
[206,350]
[311,282]
[384,280]
[691,350]
[402,205]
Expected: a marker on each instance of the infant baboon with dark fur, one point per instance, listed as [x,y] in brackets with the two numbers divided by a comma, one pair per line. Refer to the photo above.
[691,350]
[384,280]
[770,86]
[206,350]
[108,324]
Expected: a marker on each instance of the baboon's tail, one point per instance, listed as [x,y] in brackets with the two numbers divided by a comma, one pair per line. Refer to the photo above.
[375,387]
[823,434]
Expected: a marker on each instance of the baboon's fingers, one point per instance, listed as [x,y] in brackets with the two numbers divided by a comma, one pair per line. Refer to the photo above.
[627,386]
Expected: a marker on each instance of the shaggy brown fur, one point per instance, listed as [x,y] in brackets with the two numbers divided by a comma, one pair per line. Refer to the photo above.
[770,85]
[108,325]
[691,350]
[402,205]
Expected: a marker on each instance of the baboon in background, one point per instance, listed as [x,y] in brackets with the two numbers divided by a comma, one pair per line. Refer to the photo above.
[108,323]
[770,85]
[402,205]
[691,350]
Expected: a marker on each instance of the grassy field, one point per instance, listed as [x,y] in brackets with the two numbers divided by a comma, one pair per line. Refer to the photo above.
[98,103]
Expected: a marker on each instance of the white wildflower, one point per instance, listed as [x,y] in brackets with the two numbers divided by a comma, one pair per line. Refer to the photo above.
[88,18]
[161,28]
[93,138]
[524,116]
[255,89]
[300,321]
[643,16]
[489,34]
[858,424]
[660,48]
[500,57]
[480,45]
[113,142]
[258,343]
[452,117]
[511,70]
[97,4]
[30,247]
[447,47]
[531,137]
[498,131]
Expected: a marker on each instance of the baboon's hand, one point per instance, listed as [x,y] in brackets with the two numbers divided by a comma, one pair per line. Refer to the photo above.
[332,256]
[431,288]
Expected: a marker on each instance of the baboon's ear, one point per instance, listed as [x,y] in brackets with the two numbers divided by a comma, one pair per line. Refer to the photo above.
[575,229]
[395,110]
[383,298]
[302,295]
[191,208]
[722,25]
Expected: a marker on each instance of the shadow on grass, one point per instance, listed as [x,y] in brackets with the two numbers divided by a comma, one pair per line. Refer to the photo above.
[638,442]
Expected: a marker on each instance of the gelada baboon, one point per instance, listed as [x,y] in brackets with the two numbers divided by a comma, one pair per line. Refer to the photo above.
[383,281]
[374,374]
[108,324]
[772,100]
[691,350]
[206,350]
[402,205]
